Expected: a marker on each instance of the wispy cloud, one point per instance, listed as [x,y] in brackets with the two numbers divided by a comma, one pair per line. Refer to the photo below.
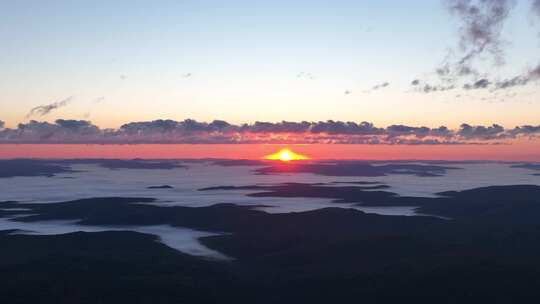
[380,86]
[481,26]
[46,109]
[536,7]
[481,23]
[479,84]
[422,87]
[305,75]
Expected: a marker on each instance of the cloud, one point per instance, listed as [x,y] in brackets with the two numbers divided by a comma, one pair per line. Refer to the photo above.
[399,130]
[520,80]
[305,75]
[494,131]
[534,74]
[219,131]
[428,88]
[418,132]
[280,127]
[526,130]
[483,83]
[479,84]
[380,86]
[481,26]
[480,37]
[377,87]
[46,109]
[61,131]
[171,126]
[511,82]
[82,127]
[340,127]
[536,7]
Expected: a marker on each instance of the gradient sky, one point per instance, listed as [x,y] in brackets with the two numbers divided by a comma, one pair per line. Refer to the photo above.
[518,151]
[126,60]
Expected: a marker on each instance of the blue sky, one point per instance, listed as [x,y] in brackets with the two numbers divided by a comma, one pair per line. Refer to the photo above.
[244,57]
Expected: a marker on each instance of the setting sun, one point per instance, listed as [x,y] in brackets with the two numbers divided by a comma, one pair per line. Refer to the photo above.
[286,155]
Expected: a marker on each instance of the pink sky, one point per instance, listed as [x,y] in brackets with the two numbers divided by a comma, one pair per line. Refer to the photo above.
[522,150]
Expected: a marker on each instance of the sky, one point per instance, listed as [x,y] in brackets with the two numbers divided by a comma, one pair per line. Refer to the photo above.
[521,151]
[116,62]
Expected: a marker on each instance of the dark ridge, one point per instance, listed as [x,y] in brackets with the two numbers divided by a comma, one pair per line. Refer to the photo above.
[6,206]
[375,187]
[115,164]
[505,203]
[160,187]
[120,267]
[358,183]
[11,213]
[319,256]
[317,190]
[49,168]
[490,252]
[8,232]
[220,217]
[530,166]
[436,162]
[351,168]
[31,167]
[451,204]
[239,162]
[341,194]
[105,267]
[253,187]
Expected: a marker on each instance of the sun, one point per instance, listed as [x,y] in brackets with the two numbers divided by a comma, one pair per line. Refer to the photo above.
[286,155]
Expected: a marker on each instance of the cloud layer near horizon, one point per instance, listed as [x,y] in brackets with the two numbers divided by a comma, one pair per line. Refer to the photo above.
[221,132]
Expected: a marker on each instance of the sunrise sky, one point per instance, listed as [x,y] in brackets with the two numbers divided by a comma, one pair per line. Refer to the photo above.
[399,65]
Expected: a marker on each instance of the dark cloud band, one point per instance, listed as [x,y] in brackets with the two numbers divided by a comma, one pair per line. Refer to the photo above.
[219,131]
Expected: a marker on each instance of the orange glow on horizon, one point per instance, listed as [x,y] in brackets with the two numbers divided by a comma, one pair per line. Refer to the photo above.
[516,150]
[286,155]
